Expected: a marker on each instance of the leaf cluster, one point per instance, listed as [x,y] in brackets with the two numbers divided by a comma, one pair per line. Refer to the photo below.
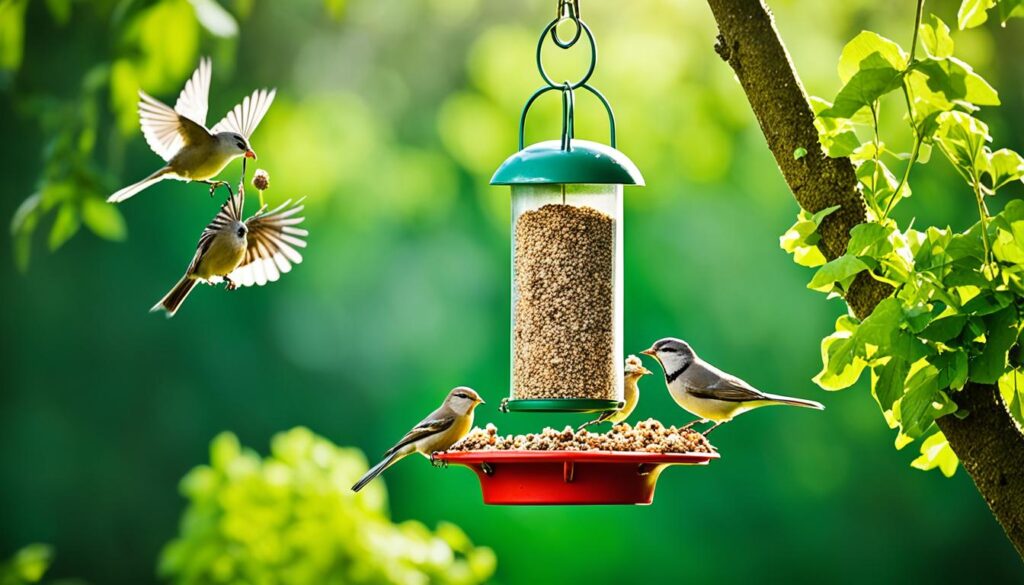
[955,315]
[291,518]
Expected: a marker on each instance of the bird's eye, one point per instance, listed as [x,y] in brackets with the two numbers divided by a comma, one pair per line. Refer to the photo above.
[241,232]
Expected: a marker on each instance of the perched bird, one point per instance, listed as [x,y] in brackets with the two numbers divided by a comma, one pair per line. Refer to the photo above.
[180,137]
[242,253]
[440,430]
[703,390]
[631,394]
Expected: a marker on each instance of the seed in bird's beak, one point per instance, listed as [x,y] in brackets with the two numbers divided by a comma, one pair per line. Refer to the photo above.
[250,154]
[649,352]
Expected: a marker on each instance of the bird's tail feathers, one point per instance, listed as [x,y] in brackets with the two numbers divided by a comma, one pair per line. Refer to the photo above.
[130,190]
[177,295]
[377,469]
[776,399]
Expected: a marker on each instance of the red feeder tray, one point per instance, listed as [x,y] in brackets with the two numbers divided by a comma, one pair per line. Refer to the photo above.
[569,477]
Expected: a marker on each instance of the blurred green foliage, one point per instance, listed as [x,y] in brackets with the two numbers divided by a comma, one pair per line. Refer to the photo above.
[27,566]
[391,116]
[291,518]
[954,315]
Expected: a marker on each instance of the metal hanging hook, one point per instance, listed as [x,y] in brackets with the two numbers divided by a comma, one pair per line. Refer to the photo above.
[567,10]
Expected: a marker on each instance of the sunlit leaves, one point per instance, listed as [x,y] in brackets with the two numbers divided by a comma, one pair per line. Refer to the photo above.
[936,453]
[1004,167]
[870,50]
[962,139]
[801,239]
[292,515]
[973,13]
[12,36]
[935,38]
[27,566]
[957,82]
[837,273]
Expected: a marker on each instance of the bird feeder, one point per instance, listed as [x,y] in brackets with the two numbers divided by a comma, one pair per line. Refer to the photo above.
[567,347]
[567,306]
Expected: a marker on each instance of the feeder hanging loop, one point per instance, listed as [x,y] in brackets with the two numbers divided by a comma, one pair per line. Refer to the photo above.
[567,10]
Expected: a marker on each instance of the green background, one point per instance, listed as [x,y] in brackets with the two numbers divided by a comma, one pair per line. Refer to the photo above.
[390,117]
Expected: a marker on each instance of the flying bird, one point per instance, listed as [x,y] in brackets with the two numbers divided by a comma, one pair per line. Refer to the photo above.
[241,253]
[181,138]
[705,391]
[441,429]
[632,373]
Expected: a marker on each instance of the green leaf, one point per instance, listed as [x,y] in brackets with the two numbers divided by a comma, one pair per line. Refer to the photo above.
[863,89]
[962,138]
[869,239]
[64,226]
[944,329]
[839,271]
[957,82]
[922,403]
[973,13]
[801,239]
[891,381]
[841,364]
[936,452]
[935,38]
[990,364]
[28,565]
[799,153]
[1009,9]
[12,33]
[103,219]
[952,367]
[882,323]
[1004,166]
[870,50]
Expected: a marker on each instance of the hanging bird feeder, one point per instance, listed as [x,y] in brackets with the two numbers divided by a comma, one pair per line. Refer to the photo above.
[567,306]
[567,352]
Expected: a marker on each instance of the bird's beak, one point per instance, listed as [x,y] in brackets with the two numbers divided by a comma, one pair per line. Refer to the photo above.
[649,352]
[645,372]
[250,154]
[480,401]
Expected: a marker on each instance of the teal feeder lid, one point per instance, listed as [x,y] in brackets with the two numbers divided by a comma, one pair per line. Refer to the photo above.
[548,163]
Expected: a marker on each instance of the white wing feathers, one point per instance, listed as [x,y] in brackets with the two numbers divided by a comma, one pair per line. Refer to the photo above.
[160,126]
[194,101]
[272,242]
[163,128]
[244,118]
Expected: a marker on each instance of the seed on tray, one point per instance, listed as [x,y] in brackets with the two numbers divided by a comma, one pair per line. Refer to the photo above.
[649,436]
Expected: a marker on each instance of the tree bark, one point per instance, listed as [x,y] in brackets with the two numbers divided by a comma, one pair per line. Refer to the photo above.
[987,440]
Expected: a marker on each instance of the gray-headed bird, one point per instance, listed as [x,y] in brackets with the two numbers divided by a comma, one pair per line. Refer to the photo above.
[180,137]
[632,373]
[441,429]
[705,391]
[241,253]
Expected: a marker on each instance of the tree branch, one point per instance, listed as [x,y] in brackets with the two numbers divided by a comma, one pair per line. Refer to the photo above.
[987,441]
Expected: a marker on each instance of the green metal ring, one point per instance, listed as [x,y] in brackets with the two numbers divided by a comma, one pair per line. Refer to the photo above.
[593,54]
[561,405]
[543,90]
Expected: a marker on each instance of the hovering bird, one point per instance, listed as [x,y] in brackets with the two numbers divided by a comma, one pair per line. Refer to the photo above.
[180,137]
[634,370]
[441,429]
[705,391]
[242,253]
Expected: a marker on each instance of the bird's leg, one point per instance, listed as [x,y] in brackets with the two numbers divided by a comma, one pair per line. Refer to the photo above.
[698,421]
[713,427]
[229,284]
[214,185]
[587,424]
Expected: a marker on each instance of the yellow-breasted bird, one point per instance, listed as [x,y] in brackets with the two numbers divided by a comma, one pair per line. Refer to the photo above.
[441,429]
[632,373]
[242,253]
[180,137]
